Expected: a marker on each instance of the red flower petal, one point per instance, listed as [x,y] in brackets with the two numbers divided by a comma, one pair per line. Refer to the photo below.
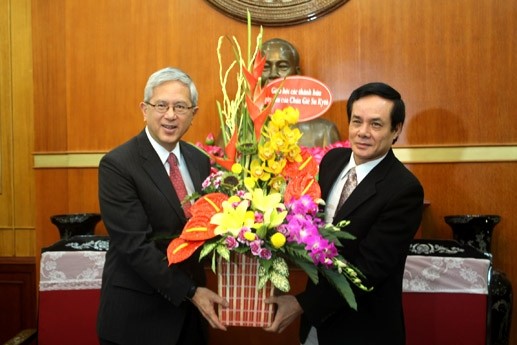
[180,250]
[302,185]
[198,229]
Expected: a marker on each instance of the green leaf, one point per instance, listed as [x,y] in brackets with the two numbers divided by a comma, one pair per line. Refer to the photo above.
[207,249]
[280,267]
[262,281]
[266,264]
[223,251]
[280,282]
[262,231]
[308,268]
[214,262]
[342,286]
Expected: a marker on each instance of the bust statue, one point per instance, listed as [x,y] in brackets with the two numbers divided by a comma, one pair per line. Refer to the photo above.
[282,60]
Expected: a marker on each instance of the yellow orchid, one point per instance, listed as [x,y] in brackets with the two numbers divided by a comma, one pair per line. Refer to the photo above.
[294,154]
[257,171]
[291,115]
[278,142]
[275,167]
[291,135]
[277,184]
[277,120]
[266,151]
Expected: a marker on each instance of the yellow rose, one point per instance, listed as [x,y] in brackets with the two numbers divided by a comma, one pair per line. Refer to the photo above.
[278,240]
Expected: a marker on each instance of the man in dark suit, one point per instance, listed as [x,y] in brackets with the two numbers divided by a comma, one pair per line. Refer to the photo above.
[143,300]
[384,209]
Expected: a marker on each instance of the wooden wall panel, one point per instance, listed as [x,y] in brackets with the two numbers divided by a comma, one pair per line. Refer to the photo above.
[445,58]
[16,130]
[453,61]
[6,135]
[49,49]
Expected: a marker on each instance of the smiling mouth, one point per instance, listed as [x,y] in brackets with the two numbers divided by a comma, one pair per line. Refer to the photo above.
[169,127]
[362,144]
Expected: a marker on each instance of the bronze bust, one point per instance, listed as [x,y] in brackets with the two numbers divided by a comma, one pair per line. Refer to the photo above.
[282,60]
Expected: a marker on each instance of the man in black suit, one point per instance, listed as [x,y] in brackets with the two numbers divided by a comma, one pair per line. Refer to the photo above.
[143,300]
[385,210]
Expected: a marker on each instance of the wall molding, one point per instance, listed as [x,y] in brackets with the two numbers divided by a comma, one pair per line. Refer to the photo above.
[408,155]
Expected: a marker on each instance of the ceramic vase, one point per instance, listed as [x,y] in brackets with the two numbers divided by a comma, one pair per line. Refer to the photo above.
[476,231]
[75,224]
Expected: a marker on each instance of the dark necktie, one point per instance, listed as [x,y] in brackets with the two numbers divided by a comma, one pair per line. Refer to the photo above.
[177,182]
[350,184]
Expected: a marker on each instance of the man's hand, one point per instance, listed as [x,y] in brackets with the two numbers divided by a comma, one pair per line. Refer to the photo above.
[205,300]
[288,310]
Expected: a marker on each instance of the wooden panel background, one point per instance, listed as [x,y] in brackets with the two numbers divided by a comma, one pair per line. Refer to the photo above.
[17,235]
[453,61]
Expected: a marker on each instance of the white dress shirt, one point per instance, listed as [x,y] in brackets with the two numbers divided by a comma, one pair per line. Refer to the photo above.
[361,171]
[164,155]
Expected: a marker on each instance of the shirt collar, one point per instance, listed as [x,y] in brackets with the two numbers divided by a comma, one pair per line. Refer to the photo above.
[161,151]
[363,169]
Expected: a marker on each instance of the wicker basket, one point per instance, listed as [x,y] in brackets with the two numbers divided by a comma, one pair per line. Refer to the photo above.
[237,282]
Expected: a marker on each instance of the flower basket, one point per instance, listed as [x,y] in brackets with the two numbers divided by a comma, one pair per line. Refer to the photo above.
[260,206]
[237,282]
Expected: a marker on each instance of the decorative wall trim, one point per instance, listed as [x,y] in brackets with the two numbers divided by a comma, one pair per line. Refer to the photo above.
[68,160]
[408,155]
[276,12]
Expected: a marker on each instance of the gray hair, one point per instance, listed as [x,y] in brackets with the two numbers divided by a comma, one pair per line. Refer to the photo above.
[170,74]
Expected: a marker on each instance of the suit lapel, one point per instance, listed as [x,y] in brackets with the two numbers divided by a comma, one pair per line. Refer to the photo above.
[154,168]
[192,165]
[367,188]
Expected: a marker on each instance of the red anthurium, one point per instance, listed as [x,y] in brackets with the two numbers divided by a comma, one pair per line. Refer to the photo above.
[180,250]
[302,185]
[308,166]
[208,205]
[198,228]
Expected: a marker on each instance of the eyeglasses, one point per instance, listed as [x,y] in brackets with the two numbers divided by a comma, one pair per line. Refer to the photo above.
[178,108]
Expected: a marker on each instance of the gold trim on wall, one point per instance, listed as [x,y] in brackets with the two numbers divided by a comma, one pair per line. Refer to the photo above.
[428,154]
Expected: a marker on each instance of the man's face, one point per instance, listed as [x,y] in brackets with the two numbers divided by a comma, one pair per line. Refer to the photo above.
[369,129]
[168,128]
[280,62]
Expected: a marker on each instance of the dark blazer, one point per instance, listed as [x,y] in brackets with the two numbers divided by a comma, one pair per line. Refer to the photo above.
[143,301]
[385,211]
